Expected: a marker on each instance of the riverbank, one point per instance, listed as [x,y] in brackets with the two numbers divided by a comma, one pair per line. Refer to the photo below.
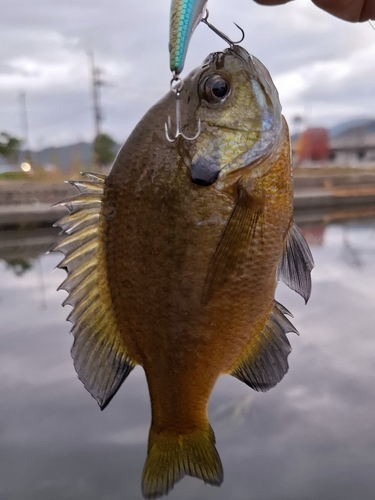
[30,203]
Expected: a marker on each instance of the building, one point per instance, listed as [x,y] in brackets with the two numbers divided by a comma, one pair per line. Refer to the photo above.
[354,145]
[348,144]
[312,144]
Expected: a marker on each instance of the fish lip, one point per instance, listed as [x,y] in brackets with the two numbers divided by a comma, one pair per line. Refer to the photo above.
[204,172]
[204,182]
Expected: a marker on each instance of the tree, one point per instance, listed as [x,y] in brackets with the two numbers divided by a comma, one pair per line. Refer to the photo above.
[104,149]
[9,147]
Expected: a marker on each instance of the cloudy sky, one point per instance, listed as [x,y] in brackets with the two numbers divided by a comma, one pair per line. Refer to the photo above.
[323,67]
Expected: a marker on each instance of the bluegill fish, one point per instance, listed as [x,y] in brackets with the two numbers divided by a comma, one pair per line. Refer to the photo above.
[185,17]
[174,257]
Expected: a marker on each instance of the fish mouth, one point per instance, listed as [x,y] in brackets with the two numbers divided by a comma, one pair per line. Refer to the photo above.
[204,172]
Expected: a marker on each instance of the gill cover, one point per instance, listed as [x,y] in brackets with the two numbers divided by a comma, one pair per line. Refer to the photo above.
[240,113]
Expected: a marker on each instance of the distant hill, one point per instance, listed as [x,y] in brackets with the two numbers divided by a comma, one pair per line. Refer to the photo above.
[366,125]
[64,156]
[81,153]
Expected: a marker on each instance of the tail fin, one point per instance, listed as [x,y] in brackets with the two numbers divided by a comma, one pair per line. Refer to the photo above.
[171,457]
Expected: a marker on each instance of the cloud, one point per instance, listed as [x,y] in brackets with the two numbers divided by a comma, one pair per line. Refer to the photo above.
[317,61]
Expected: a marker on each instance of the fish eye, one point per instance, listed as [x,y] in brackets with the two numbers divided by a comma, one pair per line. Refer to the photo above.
[216,89]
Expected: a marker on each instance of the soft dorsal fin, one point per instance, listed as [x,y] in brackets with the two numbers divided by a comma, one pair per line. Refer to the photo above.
[100,358]
[296,263]
[263,362]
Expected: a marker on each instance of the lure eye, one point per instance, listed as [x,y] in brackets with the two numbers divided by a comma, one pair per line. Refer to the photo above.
[216,89]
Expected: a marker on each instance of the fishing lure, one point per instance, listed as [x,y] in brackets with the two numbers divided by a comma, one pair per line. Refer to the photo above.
[185,17]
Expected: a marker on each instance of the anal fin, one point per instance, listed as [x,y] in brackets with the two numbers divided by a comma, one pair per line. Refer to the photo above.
[263,362]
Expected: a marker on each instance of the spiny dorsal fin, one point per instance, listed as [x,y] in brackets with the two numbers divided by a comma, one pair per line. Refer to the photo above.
[264,360]
[236,239]
[296,263]
[99,355]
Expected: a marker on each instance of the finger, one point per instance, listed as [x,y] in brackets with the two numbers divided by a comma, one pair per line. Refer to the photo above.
[349,10]
[272,2]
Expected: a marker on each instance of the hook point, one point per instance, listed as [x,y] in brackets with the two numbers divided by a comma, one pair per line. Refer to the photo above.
[220,33]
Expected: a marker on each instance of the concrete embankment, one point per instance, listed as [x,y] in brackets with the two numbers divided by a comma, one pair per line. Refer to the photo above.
[321,197]
[30,203]
[317,190]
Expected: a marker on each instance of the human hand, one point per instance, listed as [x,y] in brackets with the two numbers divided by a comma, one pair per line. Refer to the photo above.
[349,10]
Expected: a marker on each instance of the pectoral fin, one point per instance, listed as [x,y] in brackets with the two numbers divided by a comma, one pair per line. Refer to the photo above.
[100,358]
[236,241]
[263,362]
[296,263]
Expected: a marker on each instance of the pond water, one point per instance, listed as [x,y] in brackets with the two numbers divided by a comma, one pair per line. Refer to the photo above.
[311,437]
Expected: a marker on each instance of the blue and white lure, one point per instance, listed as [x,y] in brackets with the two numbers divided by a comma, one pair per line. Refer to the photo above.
[185,17]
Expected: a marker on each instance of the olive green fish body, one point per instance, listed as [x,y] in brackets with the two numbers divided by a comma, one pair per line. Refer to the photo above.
[191,240]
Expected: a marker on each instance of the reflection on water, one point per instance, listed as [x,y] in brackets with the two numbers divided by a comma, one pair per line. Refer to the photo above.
[20,248]
[312,437]
[19,266]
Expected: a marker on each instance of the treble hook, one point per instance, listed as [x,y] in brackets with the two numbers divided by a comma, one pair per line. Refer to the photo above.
[176,87]
[220,33]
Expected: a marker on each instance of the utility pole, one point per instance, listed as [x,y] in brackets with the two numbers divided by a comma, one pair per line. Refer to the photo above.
[25,127]
[96,83]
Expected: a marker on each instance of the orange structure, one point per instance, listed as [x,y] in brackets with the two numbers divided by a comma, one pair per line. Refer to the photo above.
[313,144]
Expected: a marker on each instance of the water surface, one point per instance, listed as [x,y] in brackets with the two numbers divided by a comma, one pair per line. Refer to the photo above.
[312,436]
